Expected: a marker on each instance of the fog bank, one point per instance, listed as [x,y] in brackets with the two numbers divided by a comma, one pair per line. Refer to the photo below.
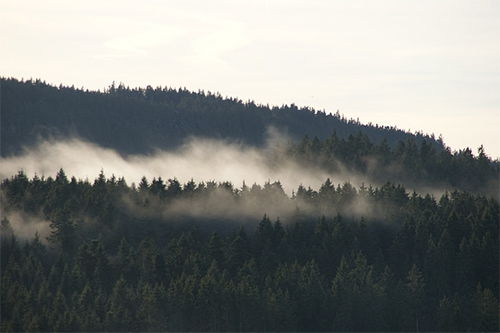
[197,159]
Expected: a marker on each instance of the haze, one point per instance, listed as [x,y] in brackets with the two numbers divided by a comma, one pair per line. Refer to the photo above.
[420,65]
[198,159]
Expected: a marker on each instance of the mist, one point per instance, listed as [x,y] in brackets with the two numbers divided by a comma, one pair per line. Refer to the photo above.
[197,159]
[232,181]
[250,204]
[25,226]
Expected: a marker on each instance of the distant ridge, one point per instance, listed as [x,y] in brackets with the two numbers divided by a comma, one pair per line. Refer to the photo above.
[139,120]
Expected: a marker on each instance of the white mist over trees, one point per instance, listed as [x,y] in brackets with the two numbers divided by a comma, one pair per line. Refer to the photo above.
[340,231]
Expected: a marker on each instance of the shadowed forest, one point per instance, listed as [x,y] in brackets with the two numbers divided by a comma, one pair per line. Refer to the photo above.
[160,117]
[336,226]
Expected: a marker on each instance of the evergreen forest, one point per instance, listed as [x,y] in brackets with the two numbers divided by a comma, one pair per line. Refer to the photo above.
[415,247]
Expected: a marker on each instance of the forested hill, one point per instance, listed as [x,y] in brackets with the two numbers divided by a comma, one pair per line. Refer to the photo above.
[122,258]
[139,120]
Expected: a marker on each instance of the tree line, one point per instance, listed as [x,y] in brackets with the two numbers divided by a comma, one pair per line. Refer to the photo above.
[413,163]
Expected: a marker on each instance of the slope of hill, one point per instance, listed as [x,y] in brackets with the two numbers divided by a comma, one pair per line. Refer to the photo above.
[139,120]
[363,228]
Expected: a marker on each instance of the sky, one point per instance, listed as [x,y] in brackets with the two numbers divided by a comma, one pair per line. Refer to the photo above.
[431,66]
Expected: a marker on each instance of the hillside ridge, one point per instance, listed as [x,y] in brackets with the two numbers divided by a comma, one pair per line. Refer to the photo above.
[139,120]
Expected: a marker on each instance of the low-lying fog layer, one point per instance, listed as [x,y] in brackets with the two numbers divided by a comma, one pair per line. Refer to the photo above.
[201,160]
[197,159]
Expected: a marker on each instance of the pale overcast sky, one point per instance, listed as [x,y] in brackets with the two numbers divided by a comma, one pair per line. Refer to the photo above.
[421,65]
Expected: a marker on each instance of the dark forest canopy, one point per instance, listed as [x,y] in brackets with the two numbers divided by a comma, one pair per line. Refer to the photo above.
[140,119]
[113,262]
[415,164]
